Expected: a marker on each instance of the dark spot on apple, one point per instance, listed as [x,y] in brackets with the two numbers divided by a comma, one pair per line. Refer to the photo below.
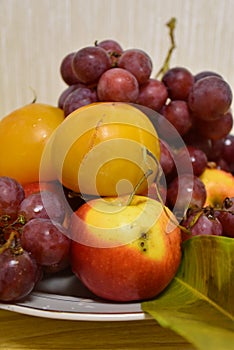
[144,235]
[142,244]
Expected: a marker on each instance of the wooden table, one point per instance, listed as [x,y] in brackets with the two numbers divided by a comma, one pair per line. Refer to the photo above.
[19,331]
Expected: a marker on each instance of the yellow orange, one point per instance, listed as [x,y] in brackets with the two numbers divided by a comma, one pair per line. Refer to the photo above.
[23,136]
[105,149]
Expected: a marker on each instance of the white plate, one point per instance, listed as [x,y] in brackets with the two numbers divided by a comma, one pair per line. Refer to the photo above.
[62,296]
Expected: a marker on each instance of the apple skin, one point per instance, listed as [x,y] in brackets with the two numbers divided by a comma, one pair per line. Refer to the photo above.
[35,187]
[219,185]
[134,271]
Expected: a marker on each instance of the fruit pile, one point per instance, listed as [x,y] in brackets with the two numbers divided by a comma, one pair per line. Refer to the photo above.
[190,181]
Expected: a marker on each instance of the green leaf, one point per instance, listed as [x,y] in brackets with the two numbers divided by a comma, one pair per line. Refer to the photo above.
[199,302]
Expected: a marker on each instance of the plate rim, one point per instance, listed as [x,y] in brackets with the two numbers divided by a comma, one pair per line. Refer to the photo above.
[29,310]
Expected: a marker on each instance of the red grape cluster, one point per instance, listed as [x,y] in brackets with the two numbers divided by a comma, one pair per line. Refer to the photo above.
[33,239]
[198,106]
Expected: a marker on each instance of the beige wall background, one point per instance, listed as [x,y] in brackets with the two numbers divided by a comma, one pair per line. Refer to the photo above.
[36,34]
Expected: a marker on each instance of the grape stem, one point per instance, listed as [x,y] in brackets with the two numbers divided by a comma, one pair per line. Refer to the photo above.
[143,178]
[171,24]
[13,235]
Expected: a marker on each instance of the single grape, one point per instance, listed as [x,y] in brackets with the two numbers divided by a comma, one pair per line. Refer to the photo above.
[47,242]
[226,217]
[223,165]
[66,92]
[138,63]
[193,138]
[215,129]
[227,151]
[179,82]
[214,151]
[186,189]
[205,74]
[210,98]
[178,114]
[152,94]
[60,266]
[90,63]
[18,275]
[11,195]
[44,204]
[118,85]
[156,191]
[66,70]
[212,148]
[201,224]
[166,158]
[111,46]
[78,98]
[198,159]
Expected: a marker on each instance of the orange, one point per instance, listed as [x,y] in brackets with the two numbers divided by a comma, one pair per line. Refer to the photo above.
[105,149]
[23,136]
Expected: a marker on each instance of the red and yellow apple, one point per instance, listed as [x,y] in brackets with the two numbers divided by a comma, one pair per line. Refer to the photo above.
[125,251]
[219,184]
[35,187]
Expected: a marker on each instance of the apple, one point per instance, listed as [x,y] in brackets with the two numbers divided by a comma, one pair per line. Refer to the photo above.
[125,250]
[35,187]
[219,184]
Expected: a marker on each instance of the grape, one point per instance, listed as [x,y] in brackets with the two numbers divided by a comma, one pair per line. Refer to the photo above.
[178,114]
[111,46]
[166,158]
[197,156]
[228,151]
[67,71]
[78,98]
[153,94]
[223,165]
[179,82]
[66,92]
[201,224]
[210,98]
[90,63]
[138,63]
[118,85]
[11,195]
[215,129]
[155,189]
[205,74]
[215,150]
[212,148]
[46,241]
[186,189]
[226,217]
[18,275]
[43,205]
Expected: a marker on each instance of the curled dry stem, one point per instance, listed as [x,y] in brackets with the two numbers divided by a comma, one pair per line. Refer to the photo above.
[171,24]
